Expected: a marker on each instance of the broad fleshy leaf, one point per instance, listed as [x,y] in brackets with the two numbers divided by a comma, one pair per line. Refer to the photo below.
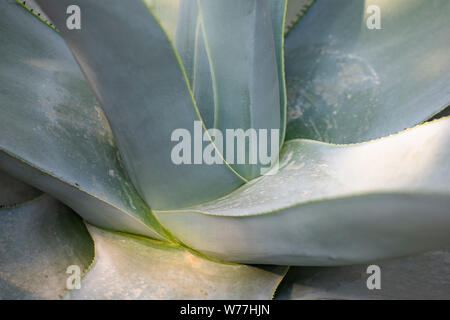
[136,74]
[233,58]
[138,268]
[13,191]
[39,241]
[332,205]
[190,44]
[187,37]
[421,277]
[349,83]
[53,134]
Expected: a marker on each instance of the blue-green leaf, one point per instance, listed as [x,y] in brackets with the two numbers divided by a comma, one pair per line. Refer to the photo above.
[40,240]
[53,133]
[233,57]
[137,268]
[332,205]
[347,83]
[136,74]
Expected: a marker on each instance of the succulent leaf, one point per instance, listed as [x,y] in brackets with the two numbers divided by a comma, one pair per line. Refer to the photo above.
[136,74]
[420,277]
[39,241]
[138,268]
[190,44]
[187,37]
[323,204]
[332,205]
[53,134]
[347,83]
[233,58]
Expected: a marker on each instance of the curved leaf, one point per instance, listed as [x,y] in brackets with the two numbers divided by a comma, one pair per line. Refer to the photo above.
[39,241]
[186,41]
[138,268]
[191,47]
[190,44]
[332,205]
[421,277]
[233,57]
[53,134]
[135,73]
[347,83]
[13,191]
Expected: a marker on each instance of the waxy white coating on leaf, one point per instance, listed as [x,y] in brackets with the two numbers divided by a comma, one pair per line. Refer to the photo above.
[138,268]
[332,205]
[54,135]
[39,240]
[154,98]
[232,53]
[347,83]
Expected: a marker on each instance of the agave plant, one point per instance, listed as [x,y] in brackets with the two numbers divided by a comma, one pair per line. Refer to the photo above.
[87,121]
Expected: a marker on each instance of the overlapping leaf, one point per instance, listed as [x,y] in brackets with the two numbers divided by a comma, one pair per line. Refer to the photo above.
[137,76]
[134,268]
[232,51]
[46,247]
[348,83]
[332,205]
[39,241]
[53,134]
[422,276]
